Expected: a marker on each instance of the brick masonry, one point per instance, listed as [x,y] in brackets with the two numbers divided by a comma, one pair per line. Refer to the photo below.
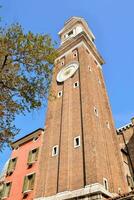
[73,114]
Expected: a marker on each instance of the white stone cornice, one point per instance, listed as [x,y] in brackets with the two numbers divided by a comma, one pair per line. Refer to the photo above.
[93,189]
[76,46]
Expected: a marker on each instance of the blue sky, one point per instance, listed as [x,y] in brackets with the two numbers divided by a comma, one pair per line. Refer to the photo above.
[112,22]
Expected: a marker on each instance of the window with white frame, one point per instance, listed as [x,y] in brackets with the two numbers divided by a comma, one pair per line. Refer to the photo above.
[96,111]
[119,190]
[55,150]
[89,68]
[77,142]
[59,94]
[62,63]
[105,183]
[76,84]
[107,124]
[99,81]
[75,53]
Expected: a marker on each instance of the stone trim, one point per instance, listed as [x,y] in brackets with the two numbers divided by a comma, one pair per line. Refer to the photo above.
[88,190]
[76,46]
[26,138]
[123,128]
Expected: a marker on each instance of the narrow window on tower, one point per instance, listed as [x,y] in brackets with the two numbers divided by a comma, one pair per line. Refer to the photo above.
[70,33]
[105,183]
[77,142]
[75,53]
[107,124]
[119,190]
[96,111]
[62,61]
[99,81]
[76,84]
[59,94]
[89,68]
[6,190]
[55,151]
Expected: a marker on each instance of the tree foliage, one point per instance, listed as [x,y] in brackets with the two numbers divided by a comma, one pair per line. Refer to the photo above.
[25,73]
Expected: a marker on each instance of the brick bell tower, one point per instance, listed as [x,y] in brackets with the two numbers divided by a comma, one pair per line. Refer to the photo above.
[79,157]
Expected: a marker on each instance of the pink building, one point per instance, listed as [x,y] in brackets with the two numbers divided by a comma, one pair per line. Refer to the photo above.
[22,167]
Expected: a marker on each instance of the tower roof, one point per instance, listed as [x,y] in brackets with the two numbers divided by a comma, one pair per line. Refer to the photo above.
[72,21]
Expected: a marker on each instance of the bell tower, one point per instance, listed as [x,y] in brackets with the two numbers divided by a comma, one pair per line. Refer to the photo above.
[80,157]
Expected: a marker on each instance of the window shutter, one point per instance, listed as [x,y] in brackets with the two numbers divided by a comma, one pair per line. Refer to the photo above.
[6,190]
[36,155]
[3,191]
[25,184]
[9,166]
[31,185]
[14,163]
[30,157]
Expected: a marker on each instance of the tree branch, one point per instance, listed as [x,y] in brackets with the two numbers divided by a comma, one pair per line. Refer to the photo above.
[4,63]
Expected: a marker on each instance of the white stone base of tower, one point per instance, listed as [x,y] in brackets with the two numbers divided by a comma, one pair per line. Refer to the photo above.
[90,192]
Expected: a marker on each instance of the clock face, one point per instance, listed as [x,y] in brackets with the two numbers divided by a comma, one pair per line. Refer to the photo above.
[67,72]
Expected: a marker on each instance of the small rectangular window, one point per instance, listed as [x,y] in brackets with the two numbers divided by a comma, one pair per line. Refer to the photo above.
[77,142]
[107,124]
[105,183]
[62,61]
[76,84]
[96,111]
[89,68]
[6,190]
[99,81]
[70,33]
[75,53]
[28,183]
[55,151]
[59,94]
[11,166]
[33,156]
